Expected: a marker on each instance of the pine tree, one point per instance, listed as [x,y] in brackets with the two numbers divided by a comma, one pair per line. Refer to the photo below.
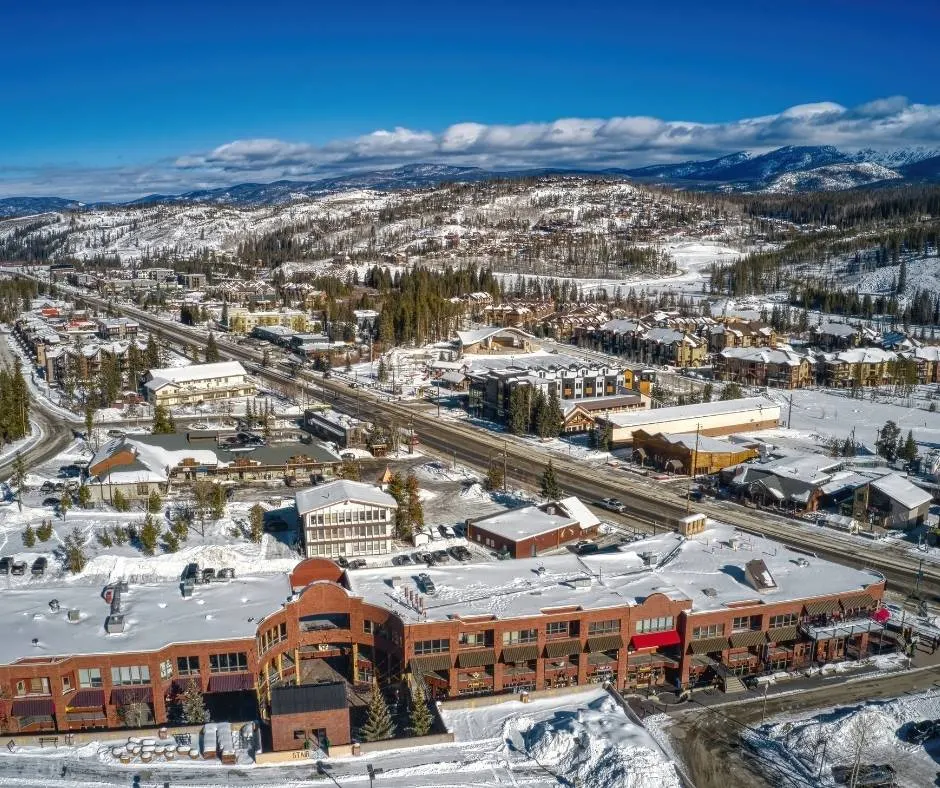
[163,423]
[193,705]
[256,523]
[553,417]
[169,541]
[731,391]
[415,508]
[29,537]
[494,477]
[421,719]
[84,496]
[379,724]
[382,373]
[549,484]
[74,546]
[119,501]
[218,501]
[44,531]
[89,419]
[224,318]
[908,451]
[518,411]
[65,503]
[152,353]
[154,502]
[212,350]
[148,536]
[19,473]
[888,441]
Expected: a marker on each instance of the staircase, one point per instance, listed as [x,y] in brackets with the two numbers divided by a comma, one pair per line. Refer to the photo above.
[730,683]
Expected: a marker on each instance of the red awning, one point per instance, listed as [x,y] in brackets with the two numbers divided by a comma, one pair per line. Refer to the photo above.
[656,640]
[87,699]
[881,615]
[125,695]
[34,707]
[231,682]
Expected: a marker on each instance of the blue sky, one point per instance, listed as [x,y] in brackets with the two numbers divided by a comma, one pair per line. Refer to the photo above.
[125,98]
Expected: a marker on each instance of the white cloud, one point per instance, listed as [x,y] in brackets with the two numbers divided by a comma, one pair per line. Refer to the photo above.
[628,141]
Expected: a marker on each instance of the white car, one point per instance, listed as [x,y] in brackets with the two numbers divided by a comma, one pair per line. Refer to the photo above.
[614,505]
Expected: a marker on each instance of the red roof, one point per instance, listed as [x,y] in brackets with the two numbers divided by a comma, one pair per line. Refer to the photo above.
[656,639]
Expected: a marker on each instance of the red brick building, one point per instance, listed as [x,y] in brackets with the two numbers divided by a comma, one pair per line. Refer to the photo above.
[665,611]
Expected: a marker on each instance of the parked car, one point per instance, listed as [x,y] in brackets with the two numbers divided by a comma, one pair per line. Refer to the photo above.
[5,563]
[585,548]
[18,568]
[402,560]
[190,573]
[357,563]
[424,558]
[208,574]
[920,732]
[426,584]
[39,566]
[50,501]
[440,556]
[614,505]
[446,531]
[460,553]
[47,487]
[116,433]
[417,558]
[341,562]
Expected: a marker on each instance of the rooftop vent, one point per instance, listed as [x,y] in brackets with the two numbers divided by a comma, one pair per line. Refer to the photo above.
[54,605]
[802,562]
[114,624]
[74,615]
[650,558]
[758,575]
[580,582]
[710,592]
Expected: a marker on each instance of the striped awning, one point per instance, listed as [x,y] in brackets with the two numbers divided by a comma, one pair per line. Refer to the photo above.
[231,682]
[475,659]
[821,608]
[858,602]
[87,699]
[562,648]
[33,707]
[748,639]
[125,695]
[520,653]
[783,634]
[604,642]
[708,645]
[432,663]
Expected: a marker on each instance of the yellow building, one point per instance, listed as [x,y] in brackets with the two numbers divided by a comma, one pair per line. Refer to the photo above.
[243,321]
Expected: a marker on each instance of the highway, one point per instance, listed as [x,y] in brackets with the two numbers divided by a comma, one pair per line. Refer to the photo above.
[649,504]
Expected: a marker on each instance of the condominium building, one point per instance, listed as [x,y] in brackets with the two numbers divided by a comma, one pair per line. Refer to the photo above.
[346,518]
[198,383]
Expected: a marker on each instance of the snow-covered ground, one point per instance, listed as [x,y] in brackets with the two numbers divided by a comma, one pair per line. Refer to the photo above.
[807,748]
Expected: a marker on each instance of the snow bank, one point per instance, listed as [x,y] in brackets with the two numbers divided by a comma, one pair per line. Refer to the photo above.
[596,746]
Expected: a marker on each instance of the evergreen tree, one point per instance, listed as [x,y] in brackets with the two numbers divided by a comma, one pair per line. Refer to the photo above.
[731,391]
[163,423]
[29,537]
[549,484]
[553,418]
[256,523]
[193,705]
[379,724]
[19,474]
[494,477]
[212,350]
[119,501]
[149,536]
[89,419]
[152,353]
[421,719]
[888,440]
[218,501]
[518,411]
[65,503]
[154,502]
[84,496]
[415,508]
[908,451]
[707,391]
[224,319]
[169,541]
[382,372]
[44,531]
[74,547]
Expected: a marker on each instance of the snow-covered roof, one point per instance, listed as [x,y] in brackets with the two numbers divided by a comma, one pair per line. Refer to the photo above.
[525,522]
[340,491]
[476,335]
[194,372]
[861,355]
[899,489]
[155,615]
[526,586]
[640,418]
[837,329]
[765,355]
[585,517]
[702,443]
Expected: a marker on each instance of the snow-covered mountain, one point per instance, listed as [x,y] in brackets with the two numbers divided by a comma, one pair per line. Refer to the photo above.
[23,206]
[896,158]
[833,177]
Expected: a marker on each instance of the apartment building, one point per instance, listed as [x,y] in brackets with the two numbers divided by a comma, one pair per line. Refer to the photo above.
[346,518]
[760,366]
[197,383]
[243,321]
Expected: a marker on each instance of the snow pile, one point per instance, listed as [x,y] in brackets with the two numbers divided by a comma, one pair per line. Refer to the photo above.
[596,746]
[475,492]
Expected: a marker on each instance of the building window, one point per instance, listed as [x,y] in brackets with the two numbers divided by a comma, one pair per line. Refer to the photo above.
[67,683]
[89,678]
[368,626]
[166,669]
[436,646]
[745,623]
[143,488]
[474,639]
[710,631]
[234,662]
[520,636]
[783,620]
[34,686]
[604,627]
[660,624]
[131,674]
[187,666]
[557,629]
[300,735]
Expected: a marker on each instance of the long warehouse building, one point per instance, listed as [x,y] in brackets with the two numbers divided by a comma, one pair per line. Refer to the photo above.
[709,418]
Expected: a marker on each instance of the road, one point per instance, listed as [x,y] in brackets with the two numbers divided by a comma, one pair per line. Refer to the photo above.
[648,503]
[56,435]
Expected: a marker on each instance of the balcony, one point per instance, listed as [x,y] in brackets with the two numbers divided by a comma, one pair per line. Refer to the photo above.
[845,628]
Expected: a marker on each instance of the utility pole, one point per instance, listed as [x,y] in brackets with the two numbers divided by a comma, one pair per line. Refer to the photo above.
[692,470]
[505,468]
[790,411]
